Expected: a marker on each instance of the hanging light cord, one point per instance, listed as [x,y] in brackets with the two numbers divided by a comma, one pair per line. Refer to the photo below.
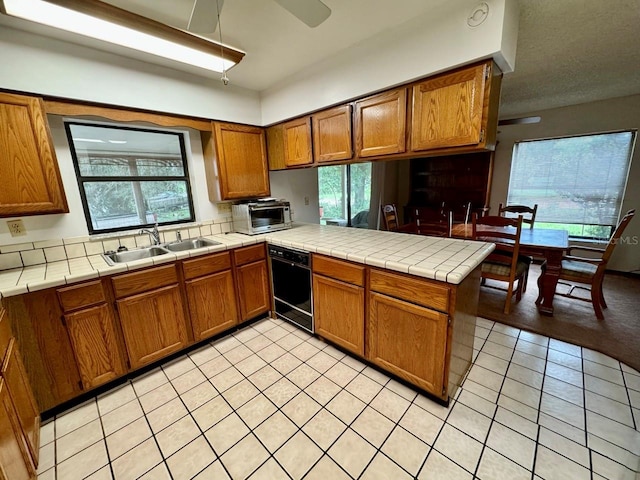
[224,77]
[193,9]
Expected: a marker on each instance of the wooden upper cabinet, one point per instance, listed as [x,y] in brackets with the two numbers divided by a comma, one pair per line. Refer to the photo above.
[241,154]
[30,183]
[381,124]
[297,142]
[448,109]
[332,139]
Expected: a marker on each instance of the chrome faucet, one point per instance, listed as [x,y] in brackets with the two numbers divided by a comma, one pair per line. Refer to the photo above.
[153,234]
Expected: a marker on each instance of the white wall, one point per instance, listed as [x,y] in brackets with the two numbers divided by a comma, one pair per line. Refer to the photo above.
[437,41]
[296,186]
[73,224]
[47,66]
[613,114]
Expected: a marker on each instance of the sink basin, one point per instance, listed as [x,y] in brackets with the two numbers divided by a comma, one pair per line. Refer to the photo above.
[129,256]
[189,244]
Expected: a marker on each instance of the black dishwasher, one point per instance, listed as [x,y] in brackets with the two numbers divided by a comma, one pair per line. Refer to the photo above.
[291,276]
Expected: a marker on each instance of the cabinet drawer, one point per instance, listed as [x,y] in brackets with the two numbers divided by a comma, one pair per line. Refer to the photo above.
[339,269]
[419,291]
[138,282]
[83,295]
[206,265]
[250,254]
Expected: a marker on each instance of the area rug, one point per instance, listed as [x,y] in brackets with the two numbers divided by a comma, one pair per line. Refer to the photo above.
[618,335]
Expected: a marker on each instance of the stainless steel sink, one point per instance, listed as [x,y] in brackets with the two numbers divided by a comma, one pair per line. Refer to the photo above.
[130,255]
[189,244]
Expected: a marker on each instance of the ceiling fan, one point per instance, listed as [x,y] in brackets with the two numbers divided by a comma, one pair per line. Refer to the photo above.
[204,14]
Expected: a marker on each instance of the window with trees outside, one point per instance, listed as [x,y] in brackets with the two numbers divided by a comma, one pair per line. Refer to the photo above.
[578,182]
[129,177]
[345,194]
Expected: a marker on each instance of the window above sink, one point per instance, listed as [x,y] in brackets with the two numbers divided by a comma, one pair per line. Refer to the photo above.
[128,176]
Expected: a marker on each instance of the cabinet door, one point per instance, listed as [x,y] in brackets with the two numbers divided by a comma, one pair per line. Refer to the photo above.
[212,304]
[94,342]
[332,139]
[30,183]
[447,110]
[242,161]
[14,457]
[253,289]
[381,124]
[408,340]
[297,142]
[153,324]
[338,310]
[24,403]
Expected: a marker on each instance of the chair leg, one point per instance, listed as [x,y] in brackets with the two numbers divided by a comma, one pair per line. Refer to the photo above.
[596,300]
[507,304]
[602,302]
[525,278]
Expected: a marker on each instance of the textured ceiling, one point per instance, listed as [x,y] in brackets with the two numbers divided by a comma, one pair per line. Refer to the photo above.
[571,52]
[276,42]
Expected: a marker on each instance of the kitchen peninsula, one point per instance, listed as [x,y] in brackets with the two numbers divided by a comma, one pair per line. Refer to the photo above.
[418,302]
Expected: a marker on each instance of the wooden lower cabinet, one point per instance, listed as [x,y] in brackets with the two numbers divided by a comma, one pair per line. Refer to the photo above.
[338,309]
[153,324]
[212,304]
[253,289]
[14,456]
[252,280]
[409,341]
[93,337]
[19,415]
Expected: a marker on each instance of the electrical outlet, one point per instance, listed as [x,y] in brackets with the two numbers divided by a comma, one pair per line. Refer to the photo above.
[16,228]
[306,200]
[224,207]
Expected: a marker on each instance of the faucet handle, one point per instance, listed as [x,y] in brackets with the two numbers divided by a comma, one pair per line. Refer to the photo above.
[178,236]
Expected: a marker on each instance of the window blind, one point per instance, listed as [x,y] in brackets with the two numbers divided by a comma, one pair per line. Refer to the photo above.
[574,180]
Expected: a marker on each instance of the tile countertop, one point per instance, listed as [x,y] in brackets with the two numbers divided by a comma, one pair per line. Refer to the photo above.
[444,259]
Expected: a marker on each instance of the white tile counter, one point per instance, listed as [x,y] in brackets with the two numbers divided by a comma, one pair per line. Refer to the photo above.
[444,259]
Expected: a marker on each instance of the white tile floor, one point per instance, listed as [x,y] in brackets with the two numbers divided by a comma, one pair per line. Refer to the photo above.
[272,402]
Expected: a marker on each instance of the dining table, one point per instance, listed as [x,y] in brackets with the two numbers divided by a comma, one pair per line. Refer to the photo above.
[547,243]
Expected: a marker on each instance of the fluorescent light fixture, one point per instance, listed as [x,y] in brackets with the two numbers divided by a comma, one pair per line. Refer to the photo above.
[105,22]
[88,140]
[117,141]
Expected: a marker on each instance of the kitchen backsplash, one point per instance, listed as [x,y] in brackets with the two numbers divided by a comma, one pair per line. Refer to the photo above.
[19,255]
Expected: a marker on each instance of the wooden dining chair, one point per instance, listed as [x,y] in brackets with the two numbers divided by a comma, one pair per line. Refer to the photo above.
[528,217]
[432,222]
[504,263]
[588,272]
[528,213]
[389,217]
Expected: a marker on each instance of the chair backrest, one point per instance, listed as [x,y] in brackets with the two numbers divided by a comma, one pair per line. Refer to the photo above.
[504,232]
[617,233]
[389,217]
[433,222]
[515,210]
[461,213]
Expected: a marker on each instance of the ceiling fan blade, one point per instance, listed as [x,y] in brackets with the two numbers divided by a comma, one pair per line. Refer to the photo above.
[519,121]
[204,17]
[311,12]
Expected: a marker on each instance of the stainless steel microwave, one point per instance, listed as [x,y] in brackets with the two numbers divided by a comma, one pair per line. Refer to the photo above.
[257,217]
